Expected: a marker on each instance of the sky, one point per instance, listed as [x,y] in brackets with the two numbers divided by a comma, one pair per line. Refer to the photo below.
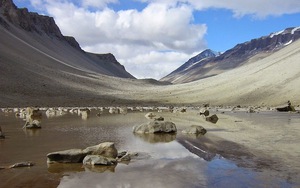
[151,38]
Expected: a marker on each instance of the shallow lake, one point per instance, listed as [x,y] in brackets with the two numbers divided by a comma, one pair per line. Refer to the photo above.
[172,160]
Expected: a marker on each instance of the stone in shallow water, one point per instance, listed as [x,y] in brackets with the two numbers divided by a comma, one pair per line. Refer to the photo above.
[155,127]
[106,149]
[67,156]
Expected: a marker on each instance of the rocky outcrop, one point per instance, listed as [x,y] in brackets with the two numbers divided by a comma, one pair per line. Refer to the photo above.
[155,127]
[29,21]
[72,41]
[195,129]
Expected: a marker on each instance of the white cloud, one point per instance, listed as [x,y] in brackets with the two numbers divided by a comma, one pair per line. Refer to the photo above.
[154,64]
[139,39]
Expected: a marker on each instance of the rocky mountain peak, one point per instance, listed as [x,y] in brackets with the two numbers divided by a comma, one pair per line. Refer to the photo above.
[195,68]
[204,55]
[28,21]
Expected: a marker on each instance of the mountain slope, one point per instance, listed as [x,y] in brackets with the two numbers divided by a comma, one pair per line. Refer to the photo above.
[42,36]
[272,80]
[241,54]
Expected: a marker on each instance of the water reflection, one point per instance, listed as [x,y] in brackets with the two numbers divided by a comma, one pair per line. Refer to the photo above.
[156,138]
[63,168]
[164,160]
[32,132]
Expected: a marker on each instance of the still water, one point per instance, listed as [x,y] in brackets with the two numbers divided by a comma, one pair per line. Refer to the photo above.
[164,160]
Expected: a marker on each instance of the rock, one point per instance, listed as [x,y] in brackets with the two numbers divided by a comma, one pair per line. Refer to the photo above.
[85,113]
[21,164]
[33,118]
[106,149]
[213,119]
[156,127]
[1,134]
[98,160]
[124,158]
[67,156]
[286,109]
[150,115]
[195,129]
[35,124]
[204,112]
[159,119]
[183,110]
[123,110]
[113,110]
[250,110]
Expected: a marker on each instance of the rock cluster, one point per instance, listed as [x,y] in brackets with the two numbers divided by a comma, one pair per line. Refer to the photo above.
[101,154]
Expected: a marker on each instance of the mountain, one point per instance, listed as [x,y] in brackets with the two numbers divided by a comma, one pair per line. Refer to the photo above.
[42,35]
[41,67]
[251,51]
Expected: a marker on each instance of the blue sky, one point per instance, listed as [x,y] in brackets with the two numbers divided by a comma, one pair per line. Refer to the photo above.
[151,38]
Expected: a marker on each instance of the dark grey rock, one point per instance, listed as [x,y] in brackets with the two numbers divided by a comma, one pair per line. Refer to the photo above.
[213,119]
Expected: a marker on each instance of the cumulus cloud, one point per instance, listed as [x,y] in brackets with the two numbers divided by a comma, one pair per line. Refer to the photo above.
[152,41]
[141,40]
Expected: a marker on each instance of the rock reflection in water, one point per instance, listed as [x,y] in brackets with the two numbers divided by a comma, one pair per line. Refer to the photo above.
[156,138]
[32,132]
[78,167]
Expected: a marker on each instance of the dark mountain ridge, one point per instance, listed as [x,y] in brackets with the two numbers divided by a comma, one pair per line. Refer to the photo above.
[198,68]
[40,31]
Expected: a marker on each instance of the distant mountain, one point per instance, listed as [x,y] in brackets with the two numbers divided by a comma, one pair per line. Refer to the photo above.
[42,35]
[200,66]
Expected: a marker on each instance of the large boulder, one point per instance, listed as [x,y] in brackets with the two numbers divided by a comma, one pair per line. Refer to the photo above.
[195,129]
[155,127]
[67,156]
[106,149]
